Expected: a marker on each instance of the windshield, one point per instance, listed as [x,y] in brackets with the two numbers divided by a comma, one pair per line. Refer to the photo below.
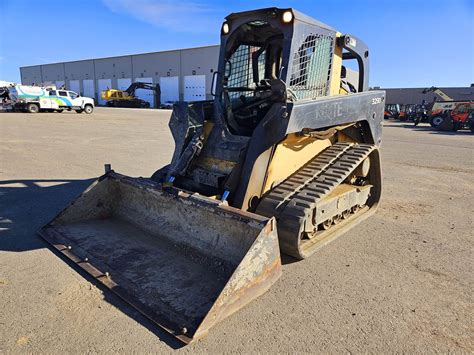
[240,69]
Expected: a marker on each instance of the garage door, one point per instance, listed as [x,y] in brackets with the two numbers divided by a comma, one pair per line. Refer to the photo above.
[169,88]
[59,84]
[147,95]
[124,83]
[194,88]
[103,84]
[88,88]
[74,86]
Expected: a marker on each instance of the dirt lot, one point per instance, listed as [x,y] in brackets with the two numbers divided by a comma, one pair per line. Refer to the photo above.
[402,281]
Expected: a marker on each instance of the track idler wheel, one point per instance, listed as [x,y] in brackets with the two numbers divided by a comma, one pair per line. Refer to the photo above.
[327,224]
[346,214]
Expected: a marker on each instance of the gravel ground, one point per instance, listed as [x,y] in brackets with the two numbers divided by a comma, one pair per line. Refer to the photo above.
[402,281]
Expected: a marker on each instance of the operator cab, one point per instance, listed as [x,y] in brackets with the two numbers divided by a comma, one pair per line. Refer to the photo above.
[251,82]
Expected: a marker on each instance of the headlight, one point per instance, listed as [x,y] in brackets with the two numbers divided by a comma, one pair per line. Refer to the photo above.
[225,28]
[287,16]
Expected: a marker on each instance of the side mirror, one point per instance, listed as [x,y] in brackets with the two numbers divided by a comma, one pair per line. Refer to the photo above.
[214,82]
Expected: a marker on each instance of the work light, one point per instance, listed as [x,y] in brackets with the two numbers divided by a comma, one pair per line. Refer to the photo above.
[225,28]
[287,16]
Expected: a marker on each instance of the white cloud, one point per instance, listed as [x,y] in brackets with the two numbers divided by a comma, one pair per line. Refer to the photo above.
[177,16]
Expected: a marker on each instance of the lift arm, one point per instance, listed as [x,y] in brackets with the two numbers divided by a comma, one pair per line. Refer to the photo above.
[138,85]
[438,92]
[147,86]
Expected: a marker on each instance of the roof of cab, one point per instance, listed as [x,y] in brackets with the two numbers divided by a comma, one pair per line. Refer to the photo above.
[299,16]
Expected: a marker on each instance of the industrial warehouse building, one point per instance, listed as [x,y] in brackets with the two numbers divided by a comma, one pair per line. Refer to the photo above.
[415,96]
[183,74]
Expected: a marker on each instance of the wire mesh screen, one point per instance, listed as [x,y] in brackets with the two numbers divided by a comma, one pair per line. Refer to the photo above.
[311,67]
[241,69]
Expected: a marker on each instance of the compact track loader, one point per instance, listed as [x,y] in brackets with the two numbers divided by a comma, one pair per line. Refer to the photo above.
[285,158]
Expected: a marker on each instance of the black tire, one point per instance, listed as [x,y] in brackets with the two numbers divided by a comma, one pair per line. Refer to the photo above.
[60,110]
[33,108]
[79,111]
[446,125]
[88,109]
[436,121]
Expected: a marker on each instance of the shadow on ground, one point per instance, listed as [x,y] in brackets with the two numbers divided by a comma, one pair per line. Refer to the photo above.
[27,205]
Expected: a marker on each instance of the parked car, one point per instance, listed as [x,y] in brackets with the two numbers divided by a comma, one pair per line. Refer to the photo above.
[168,105]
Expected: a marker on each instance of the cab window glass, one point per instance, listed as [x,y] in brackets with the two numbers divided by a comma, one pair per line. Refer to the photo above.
[73,95]
[62,93]
[52,93]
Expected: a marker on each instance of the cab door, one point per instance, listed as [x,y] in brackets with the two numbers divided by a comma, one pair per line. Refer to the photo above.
[461,113]
[75,99]
[64,99]
[51,100]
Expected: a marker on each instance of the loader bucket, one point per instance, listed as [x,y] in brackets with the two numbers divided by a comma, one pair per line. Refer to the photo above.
[183,260]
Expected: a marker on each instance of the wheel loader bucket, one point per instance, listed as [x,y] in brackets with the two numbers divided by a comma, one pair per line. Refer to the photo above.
[183,260]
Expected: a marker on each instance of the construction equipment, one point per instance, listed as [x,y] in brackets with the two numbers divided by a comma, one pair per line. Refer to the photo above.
[4,93]
[284,158]
[436,108]
[441,110]
[391,111]
[420,114]
[439,92]
[409,112]
[403,115]
[459,117]
[127,98]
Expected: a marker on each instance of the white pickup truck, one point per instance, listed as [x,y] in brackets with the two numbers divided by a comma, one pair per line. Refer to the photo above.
[35,99]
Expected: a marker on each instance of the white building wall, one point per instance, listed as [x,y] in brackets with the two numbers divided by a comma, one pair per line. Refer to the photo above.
[79,71]
[88,88]
[31,75]
[169,86]
[75,85]
[199,61]
[122,70]
[123,83]
[146,95]
[52,72]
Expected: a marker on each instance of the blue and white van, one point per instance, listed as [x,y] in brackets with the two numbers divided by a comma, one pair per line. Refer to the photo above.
[35,99]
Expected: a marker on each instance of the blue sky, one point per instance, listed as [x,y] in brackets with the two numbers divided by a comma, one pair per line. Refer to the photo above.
[413,43]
